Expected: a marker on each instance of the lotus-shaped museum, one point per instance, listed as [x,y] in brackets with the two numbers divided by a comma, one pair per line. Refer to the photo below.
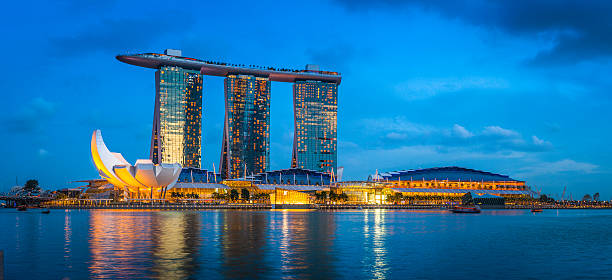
[143,180]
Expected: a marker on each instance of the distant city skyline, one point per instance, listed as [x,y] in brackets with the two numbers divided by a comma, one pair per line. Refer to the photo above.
[524,93]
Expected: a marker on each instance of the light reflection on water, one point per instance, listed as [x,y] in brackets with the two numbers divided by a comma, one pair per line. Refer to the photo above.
[305,244]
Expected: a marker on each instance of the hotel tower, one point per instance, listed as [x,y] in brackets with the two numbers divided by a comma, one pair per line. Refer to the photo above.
[177,118]
[315,106]
[246,132]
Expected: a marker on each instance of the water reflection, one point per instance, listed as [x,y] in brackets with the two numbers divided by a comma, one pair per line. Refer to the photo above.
[375,236]
[305,247]
[128,244]
[120,244]
[365,244]
[67,241]
[176,239]
[243,238]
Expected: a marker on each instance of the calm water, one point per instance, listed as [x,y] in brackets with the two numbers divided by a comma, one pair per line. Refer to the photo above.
[291,244]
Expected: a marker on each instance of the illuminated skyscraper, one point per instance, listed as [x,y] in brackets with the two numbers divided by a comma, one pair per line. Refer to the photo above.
[246,137]
[246,133]
[177,121]
[315,105]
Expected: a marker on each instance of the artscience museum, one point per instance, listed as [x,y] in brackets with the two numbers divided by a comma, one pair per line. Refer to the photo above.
[144,180]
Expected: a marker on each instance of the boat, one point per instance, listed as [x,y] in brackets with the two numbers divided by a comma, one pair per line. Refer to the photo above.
[465,209]
[535,209]
[46,211]
[22,208]
[467,206]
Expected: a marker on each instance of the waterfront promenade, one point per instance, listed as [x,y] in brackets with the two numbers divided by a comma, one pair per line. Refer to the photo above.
[248,206]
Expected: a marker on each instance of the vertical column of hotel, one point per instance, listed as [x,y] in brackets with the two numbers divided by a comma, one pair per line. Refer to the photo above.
[246,133]
[177,121]
[315,111]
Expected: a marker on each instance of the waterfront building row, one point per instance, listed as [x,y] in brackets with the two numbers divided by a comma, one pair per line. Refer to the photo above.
[149,181]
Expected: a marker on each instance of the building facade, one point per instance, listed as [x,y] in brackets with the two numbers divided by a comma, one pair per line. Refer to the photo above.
[246,132]
[177,121]
[315,105]
[451,183]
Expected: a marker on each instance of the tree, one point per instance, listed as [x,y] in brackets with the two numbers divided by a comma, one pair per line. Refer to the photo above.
[338,196]
[31,185]
[244,194]
[234,194]
[321,196]
[546,199]
[596,197]
[586,197]
[396,197]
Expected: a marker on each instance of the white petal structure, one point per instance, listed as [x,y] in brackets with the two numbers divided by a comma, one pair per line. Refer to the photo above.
[144,176]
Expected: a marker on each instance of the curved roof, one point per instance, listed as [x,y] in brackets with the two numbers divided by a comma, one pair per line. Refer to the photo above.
[114,168]
[452,173]
[155,60]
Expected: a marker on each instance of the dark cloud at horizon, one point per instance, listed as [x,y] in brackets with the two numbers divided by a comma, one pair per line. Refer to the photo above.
[119,35]
[578,30]
[29,118]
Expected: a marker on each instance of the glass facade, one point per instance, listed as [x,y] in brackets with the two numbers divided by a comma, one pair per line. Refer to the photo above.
[315,107]
[177,123]
[246,133]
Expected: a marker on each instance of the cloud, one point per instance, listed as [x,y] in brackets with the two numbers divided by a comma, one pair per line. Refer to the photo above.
[347,145]
[119,35]
[422,88]
[461,132]
[337,56]
[579,30]
[398,131]
[42,152]
[397,124]
[499,131]
[561,166]
[31,116]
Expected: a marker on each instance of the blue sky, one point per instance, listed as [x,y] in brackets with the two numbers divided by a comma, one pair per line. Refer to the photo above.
[518,88]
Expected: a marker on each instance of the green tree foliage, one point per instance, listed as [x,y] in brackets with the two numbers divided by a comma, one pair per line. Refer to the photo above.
[338,196]
[321,196]
[234,194]
[395,198]
[244,194]
[544,198]
[260,196]
[587,197]
[219,196]
[192,195]
[31,185]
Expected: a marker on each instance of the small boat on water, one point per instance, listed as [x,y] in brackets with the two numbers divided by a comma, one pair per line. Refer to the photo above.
[536,210]
[466,209]
[22,208]
[46,211]
[467,206]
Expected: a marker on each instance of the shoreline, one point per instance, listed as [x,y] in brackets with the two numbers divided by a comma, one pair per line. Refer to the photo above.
[290,206]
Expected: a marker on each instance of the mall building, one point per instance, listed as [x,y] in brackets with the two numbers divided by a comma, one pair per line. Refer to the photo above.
[287,186]
[433,185]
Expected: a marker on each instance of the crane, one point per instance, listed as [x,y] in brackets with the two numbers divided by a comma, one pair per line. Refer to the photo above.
[562,195]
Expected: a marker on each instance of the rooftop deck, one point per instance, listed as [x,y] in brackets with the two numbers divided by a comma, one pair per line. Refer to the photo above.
[222,69]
